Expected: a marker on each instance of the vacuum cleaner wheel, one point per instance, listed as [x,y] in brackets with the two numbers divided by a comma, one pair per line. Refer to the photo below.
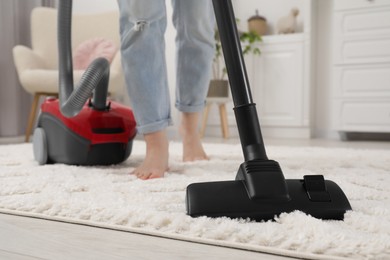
[40,146]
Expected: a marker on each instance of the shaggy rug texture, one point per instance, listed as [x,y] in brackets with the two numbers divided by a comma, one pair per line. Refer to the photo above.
[111,197]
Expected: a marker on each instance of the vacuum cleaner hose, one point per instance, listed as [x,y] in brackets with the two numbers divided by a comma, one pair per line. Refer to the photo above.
[95,78]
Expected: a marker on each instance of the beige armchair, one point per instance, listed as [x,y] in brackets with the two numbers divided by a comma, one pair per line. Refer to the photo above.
[37,67]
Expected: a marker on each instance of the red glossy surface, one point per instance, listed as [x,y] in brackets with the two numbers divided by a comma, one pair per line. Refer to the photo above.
[88,123]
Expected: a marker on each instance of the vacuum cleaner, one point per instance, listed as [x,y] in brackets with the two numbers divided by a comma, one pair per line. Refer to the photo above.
[260,191]
[81,127]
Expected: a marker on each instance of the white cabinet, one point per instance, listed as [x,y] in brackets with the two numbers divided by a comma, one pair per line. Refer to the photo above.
[278,81]
[340,5]
[281,77]
[361,74]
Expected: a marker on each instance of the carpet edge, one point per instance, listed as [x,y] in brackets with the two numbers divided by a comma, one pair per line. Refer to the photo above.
[233,245]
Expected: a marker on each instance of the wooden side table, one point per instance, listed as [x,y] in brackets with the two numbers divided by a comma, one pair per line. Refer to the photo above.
[221,102]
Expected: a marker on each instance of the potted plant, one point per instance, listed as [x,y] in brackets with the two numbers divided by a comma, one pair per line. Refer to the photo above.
[219,86]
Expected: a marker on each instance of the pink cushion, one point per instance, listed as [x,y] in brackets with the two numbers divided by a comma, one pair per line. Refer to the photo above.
[91,49]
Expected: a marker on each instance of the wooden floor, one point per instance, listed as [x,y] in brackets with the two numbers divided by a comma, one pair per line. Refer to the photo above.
[28,238]
[25,238]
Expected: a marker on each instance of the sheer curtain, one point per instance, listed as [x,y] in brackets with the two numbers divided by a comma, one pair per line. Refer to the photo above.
[14,30]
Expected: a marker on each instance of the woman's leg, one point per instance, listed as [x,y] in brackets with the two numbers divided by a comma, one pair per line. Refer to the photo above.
[142,28]
[194,22]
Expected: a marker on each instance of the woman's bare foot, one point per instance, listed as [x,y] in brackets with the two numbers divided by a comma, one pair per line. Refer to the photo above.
[156,159]
[192,145]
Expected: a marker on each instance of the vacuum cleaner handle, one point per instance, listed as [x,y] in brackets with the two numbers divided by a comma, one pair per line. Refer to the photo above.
[244,108]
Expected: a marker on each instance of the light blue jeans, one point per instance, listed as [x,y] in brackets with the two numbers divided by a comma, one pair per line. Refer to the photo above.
[142,28]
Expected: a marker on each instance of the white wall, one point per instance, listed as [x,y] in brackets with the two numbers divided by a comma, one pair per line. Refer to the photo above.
[322,123]
[94,6]
[272,10]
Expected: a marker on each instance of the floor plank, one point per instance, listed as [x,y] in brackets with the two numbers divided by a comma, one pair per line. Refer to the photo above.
[29,238]
[14,256]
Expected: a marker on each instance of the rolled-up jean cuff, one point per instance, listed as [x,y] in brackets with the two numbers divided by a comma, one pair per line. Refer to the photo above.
[190,109]
[154,127]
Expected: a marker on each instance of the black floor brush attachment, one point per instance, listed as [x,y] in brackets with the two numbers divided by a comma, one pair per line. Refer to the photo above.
[260,191]
[231,199]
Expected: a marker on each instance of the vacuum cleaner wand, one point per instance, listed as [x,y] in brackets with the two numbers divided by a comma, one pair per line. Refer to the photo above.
[245,110]
[260,191]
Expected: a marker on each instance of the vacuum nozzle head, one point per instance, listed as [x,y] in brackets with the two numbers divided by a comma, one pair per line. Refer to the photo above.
[260,192]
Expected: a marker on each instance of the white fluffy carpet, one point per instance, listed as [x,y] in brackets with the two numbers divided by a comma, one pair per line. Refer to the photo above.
[110,197]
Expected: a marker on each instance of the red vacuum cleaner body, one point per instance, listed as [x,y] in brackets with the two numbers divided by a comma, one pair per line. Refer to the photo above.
[80,128]
[92,137]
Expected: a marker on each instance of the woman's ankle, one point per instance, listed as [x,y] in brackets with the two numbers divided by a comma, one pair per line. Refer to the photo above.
[192,144]
[156,140]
